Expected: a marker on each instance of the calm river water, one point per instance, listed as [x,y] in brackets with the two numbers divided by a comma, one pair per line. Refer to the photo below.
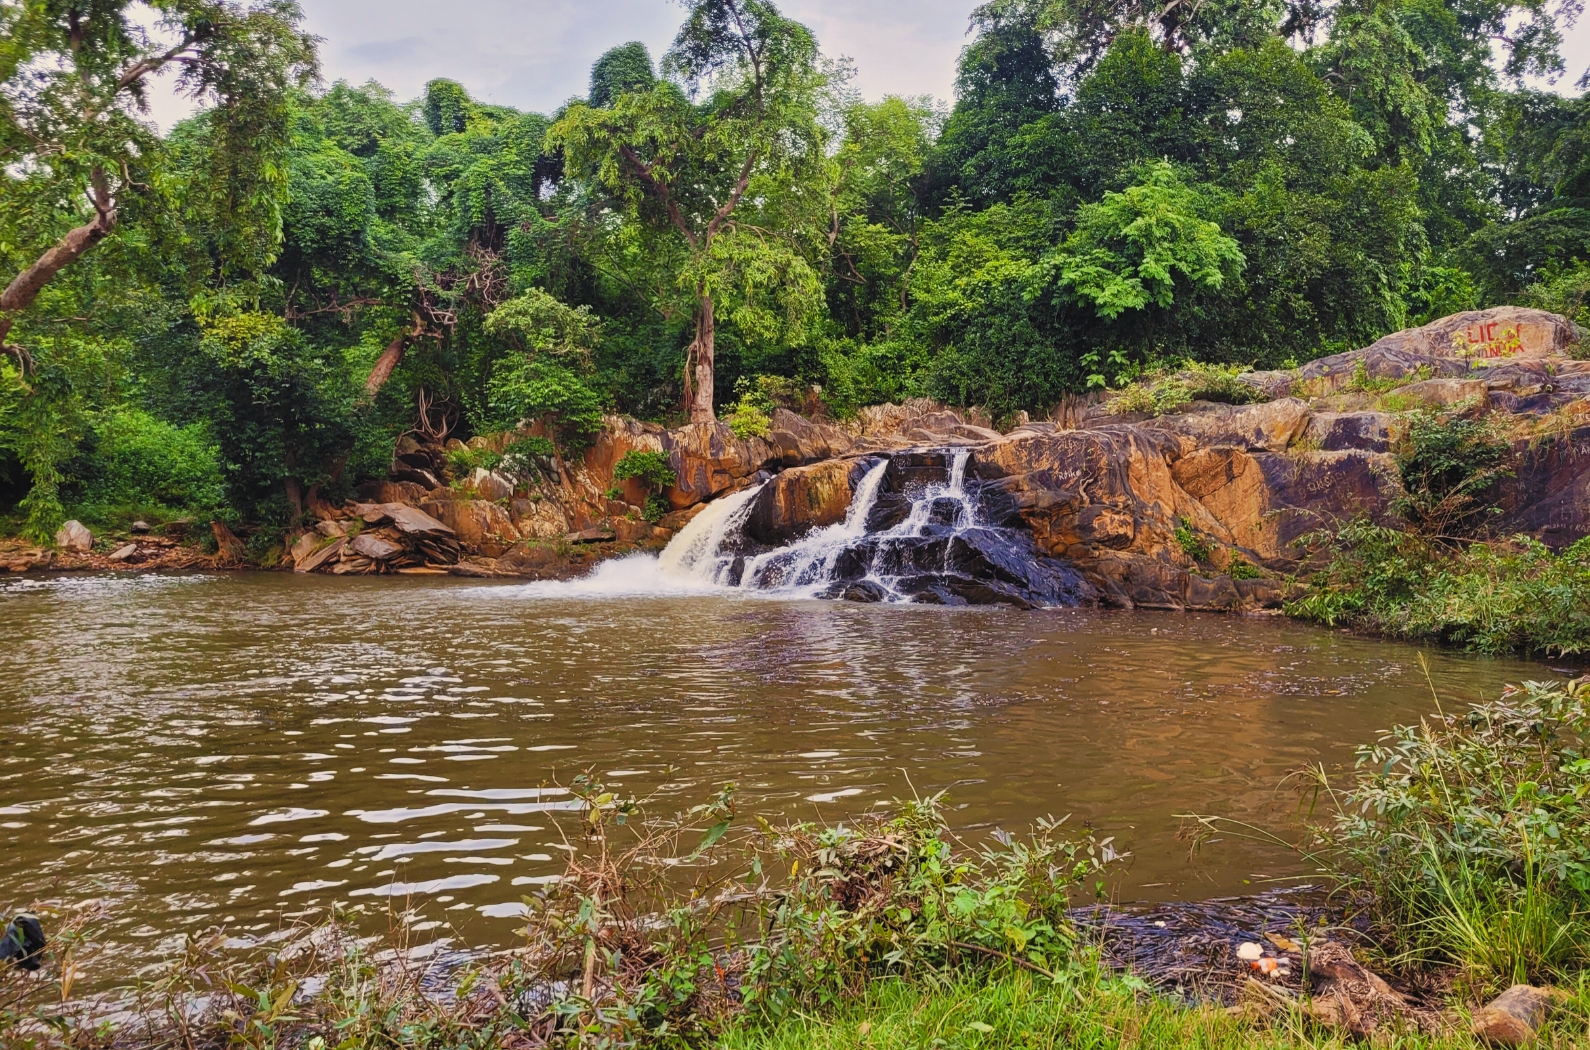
[239,750]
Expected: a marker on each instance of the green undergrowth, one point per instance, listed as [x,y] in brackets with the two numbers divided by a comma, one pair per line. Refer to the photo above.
[1497,597]
[1468,835]
[1167,390]
[1439,575]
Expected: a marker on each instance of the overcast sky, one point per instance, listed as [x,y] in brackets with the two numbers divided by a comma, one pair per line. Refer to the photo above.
[537,54]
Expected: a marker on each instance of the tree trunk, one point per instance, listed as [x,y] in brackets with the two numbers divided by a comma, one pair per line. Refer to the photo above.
[700,358]
[389,359]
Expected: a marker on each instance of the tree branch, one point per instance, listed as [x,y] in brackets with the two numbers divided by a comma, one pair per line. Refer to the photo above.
[25,288]
[734,198]
[660,188]
[143,67]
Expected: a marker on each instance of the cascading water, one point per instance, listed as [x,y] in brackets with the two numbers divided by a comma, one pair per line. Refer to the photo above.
[916,530]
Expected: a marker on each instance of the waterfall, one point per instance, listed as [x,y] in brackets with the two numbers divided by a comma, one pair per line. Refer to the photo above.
[917,530]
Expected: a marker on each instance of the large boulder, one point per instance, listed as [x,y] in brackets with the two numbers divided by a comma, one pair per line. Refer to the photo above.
[801,499]
[483,527]
[74,536]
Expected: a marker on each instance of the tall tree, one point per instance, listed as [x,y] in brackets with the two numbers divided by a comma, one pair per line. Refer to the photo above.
[79,154]
[688,169]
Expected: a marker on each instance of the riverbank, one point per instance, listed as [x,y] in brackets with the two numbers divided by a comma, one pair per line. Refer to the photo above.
[691,930]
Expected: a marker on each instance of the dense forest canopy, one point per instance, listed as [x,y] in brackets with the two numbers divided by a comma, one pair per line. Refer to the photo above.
[245,313]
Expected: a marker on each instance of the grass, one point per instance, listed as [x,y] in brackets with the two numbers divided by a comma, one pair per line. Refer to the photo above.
[1021,1012]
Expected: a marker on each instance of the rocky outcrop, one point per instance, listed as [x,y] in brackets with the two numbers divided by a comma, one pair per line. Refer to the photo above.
[1205,508]
[1202,508]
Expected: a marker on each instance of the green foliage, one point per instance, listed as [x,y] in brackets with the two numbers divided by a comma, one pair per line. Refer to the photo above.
[748,421]
[463,461]
[540,388]
[648,466]
[1471,834]
[1162,392]
[1495,598]
[1241,569]
[624,68]
[1129,250]
[1450,465]
[1192,543]
[890,895]
[134,465]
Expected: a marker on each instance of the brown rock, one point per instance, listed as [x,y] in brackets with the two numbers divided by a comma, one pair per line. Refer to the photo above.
[374,547]
[1501,332]
[305,546]
[1515,1017]
[593,535]
[321,556]
[489,485]
[801,499]
[1438,393]
[125,553]
[1272,426]
[408,519]
[631,530]
[475,522]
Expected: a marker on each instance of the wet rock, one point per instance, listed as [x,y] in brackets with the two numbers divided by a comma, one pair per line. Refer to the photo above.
[801,499]
[1516,1017]
[74,536]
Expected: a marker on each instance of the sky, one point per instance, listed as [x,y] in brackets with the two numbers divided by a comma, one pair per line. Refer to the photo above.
[537,54]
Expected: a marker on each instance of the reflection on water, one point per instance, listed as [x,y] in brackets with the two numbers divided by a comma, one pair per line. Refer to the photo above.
[238,749]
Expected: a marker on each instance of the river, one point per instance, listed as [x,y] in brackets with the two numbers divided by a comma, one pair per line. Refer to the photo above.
[246,750]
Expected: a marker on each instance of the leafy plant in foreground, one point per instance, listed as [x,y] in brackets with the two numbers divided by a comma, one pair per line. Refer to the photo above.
[1469,835]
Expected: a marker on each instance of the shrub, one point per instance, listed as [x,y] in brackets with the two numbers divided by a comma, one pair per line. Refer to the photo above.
[1469,834]
[1514,596]
[523,456]
[1241,569]
[1161,392]
[1192,544]
[652,469]
[468,460]
[1450,465]
[649,467]
[810,917]
[136,465]
[749,422]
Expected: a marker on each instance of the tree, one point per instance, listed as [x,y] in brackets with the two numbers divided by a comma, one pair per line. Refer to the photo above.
[624,68]
[79,155]
[688,169]
[1131,249]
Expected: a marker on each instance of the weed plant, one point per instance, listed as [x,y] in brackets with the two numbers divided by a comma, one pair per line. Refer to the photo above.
[1468,835]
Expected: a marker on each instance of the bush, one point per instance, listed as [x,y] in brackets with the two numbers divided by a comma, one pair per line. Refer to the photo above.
[1161,392]
[468,460]
[135,466]
[1450,465]
[652,469]
[1469,834]
[811,915]
[749,422]
[1515,596]
[1192,544]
